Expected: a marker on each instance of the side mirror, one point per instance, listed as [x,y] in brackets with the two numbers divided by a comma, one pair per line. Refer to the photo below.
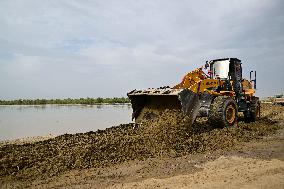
[206,65]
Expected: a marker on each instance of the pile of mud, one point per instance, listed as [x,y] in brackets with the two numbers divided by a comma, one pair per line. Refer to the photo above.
[168,136]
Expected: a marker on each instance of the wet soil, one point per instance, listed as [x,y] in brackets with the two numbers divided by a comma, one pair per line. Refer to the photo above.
[169,136]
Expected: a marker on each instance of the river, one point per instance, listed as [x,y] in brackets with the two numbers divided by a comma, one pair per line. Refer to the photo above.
[20,121]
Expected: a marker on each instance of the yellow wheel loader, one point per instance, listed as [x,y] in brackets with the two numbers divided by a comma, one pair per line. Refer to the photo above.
[219,94]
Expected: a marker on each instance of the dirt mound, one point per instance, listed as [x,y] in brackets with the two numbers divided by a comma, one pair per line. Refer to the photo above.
[168,136]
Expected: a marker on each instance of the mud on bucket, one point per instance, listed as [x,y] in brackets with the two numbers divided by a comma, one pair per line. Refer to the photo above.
[149,104]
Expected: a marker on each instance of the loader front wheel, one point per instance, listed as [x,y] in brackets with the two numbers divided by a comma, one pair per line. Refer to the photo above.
[223,112]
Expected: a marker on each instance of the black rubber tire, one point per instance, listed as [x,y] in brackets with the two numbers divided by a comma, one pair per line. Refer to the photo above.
[218,112]
[252,116]
[247,118]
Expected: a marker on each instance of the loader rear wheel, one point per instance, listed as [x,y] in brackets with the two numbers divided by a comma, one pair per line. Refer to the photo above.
[252,115]
[223,112]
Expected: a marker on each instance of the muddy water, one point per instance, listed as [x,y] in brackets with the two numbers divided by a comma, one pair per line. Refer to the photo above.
[26,121]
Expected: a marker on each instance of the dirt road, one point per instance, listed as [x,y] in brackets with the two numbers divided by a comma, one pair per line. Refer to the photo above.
[249,156]
[255,166]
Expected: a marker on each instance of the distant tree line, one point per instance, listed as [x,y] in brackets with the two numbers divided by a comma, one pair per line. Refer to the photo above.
[87,101]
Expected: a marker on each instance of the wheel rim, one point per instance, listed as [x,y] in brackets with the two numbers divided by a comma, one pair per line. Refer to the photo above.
[230,114]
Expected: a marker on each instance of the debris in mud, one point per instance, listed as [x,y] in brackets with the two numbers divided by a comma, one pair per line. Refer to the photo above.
[167,136]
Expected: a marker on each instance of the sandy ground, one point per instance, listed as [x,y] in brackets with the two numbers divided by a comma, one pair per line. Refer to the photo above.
[225,172]
[26,140]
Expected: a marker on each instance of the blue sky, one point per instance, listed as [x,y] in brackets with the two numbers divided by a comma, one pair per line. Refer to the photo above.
[105,48]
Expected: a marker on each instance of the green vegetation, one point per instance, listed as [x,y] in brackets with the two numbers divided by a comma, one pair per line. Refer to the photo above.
[279,96]
[87,101]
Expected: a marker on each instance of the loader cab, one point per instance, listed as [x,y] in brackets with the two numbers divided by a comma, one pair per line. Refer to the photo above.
[229,69]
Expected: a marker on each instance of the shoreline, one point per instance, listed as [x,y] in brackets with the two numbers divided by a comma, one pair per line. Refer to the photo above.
[26,140]
[128,103]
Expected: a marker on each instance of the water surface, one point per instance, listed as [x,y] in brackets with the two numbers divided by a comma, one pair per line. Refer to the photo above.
[19,121]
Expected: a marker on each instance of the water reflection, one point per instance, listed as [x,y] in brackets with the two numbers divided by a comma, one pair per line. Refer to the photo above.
[24,120]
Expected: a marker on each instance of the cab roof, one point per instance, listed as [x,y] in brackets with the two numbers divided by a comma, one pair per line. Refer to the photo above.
[236,59]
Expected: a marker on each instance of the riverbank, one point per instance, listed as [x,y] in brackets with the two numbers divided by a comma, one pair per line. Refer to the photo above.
[26,140]
[81,101]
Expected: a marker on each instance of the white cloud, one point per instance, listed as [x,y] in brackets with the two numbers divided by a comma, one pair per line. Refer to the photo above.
[27,64]
[132,44]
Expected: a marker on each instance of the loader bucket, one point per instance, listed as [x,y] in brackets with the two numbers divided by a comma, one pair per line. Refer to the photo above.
[147,104]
